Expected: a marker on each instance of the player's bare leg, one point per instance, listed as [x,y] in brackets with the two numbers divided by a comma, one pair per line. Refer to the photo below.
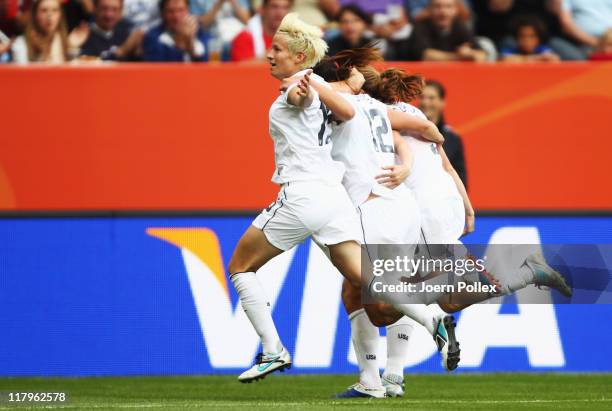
[252,252]
[346,257]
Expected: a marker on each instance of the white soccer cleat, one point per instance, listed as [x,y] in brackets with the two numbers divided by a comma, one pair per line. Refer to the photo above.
[361,391]
[544,275]
[394,385]
[265,364]
[447,343]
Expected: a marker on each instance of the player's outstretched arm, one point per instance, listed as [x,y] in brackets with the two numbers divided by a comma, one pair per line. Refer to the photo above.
[302,95]
[469,210]
[339,106]
[412,124]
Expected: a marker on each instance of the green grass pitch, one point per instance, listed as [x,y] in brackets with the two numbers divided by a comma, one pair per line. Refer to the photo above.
[313,392]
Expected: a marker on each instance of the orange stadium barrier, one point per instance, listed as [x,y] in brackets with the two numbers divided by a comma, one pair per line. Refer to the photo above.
[195,137]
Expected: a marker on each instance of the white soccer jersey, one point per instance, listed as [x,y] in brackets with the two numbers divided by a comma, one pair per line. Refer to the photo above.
[441,205]
[364,145]
[428,173]
[302,143]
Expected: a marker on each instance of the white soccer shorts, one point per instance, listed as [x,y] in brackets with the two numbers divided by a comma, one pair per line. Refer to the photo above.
[309,208]
[442,220]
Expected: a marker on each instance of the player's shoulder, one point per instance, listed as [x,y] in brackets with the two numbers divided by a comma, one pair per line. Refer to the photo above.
[313,77]
[371,101]
[282,98]
[408,108]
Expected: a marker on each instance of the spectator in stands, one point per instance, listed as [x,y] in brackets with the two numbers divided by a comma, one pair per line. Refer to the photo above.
[252,43]
[433,104]
[11,17]
[9,10]
[222,19]
[142,14]
[443,37]
[178,38]
[417,10]
[530,36]
[5,56]
[46,38]
[317,12]
[77,12]
[353,23]
[389,23]
[494,17]
[109,33]
[5,47]
[603,51]
[584,21]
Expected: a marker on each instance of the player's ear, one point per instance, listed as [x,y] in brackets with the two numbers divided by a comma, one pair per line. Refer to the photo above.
[300,57]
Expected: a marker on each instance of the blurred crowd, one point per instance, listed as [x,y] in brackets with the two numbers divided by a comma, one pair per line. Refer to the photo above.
[57,31]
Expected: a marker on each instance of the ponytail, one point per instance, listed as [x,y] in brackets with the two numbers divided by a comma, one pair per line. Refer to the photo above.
[395,86]
[338,67]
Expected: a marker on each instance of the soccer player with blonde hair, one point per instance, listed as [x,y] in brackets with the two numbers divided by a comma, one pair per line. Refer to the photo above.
[311,201]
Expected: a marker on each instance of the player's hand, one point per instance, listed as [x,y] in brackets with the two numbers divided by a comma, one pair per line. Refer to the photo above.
[470,221]
[394,177]
[287,82]
[433,133]
[304,85]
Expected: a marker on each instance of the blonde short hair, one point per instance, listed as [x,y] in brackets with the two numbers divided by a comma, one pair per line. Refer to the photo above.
[304,38]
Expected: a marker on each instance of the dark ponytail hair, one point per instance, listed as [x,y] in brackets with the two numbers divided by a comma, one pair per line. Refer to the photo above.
[338,67]
[396,85]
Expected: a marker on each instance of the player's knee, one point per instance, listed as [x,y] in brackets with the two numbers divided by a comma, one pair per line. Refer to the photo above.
[451,308]
[375,316]
[346,291]
[350,273]
[351,297]
[378,320]
[237,265]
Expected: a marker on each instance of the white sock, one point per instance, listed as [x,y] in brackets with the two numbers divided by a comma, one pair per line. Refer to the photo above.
[419,313]
[398,339]
[257,308]
[527,275]
[517,280]
[365,339]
